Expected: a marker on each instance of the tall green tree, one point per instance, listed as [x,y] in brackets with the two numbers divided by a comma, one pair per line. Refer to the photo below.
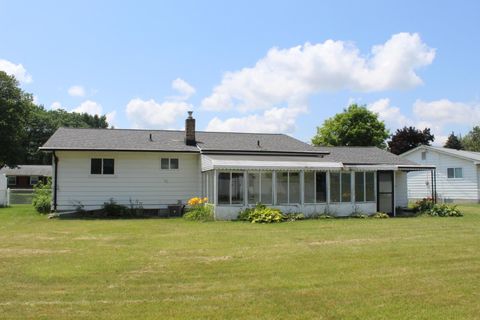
[471,141]
[15,107]
[408,138]
[453,142]
[355,126]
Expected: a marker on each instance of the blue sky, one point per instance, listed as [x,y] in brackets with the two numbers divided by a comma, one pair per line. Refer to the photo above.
[270,66]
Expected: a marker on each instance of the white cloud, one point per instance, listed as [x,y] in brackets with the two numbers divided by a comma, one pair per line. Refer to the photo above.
[444,111]
[56,105]
[16,70]
[90,107]
[392,116]
[285,76]
[111,118]
[76,91]
[151,114]
[274,120]
[184,88]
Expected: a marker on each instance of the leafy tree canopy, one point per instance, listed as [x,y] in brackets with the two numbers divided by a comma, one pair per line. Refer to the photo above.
[453,142]
[408,138]
[471,141]
[355,126]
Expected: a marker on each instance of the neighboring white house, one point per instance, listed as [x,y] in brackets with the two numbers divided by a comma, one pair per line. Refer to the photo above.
[457,174]
[234,170]
[3,190]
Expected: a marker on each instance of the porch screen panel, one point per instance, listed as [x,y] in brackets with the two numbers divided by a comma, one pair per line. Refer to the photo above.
[370,186]
[346,187]
[282,187]
[309,189]
[294,187]
[321,186]
[210,194]
[359,187]
[253,188]
[224,188]
[237,187]
[267,188]
[335,187]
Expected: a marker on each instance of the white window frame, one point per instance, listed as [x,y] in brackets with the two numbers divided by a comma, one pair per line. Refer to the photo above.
[288,203]
[102,166]
[341,188]
[260,173]
[8,181]
[423,155]
[315,188]
[170,164]
[38,180]
[455,173]
[230,189]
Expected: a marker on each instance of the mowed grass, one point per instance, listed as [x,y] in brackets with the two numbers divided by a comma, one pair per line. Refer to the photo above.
[410,268]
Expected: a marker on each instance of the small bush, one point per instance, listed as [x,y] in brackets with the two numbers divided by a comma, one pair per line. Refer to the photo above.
[444,210]
[266,215]
[199,213]
[423,205]
[112,209]
[42,197]
[294,216]
[380,215]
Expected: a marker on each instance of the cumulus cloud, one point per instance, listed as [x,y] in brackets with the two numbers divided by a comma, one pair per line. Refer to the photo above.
[392,115]
[152,114]
[184,88]
[284,76]
[76,91]
[444,111]
[111,118]
[90,107]
[56,105]
[16,70]
[274,120]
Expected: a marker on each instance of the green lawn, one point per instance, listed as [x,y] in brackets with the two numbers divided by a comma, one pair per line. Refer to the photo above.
[410,268]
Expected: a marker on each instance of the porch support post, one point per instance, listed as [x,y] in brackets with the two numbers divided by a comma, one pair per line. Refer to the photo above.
[215,191]
[245,188]
[394,193]
[302,187]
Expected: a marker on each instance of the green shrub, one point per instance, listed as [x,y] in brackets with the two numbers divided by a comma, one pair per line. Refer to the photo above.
[358,215]
[202,212]
[423,205]
[112,209]
[294,216]
[380,215]
[42,197]
[444,210]
[266,215]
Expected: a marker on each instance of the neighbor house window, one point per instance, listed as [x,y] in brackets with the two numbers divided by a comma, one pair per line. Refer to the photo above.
[33,180]
[102,166]
[364,186]
[315,187]
[454,173]
[11,180]
[340,187]
[230,188]
[169,163]
[424,155]
[288,187]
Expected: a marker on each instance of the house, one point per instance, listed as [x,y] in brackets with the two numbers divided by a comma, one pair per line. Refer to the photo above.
[457,175]
[234,170]
[26,176]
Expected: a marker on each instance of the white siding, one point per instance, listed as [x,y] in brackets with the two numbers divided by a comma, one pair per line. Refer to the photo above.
[3,190]
[458,189]
[137,177]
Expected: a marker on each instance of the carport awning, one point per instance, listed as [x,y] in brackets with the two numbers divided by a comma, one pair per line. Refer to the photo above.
[252,162]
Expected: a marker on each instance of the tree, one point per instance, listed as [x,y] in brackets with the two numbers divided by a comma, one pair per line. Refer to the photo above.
[471,141]
[408,138]
[453,142]
[15,106]
[355,126]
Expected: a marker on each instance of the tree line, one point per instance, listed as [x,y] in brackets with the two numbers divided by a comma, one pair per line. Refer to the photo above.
[358,126]
[25,126]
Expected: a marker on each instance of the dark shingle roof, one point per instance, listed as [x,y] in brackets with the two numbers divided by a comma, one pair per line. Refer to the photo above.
[28,170]
[169,140]
[364,155]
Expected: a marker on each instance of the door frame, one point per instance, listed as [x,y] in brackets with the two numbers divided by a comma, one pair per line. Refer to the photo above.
[392,175]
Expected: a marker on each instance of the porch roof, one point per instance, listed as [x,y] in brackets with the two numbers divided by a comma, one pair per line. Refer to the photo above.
[238,162]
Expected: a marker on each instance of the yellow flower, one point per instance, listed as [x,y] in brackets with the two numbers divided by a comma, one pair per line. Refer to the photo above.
[205,200]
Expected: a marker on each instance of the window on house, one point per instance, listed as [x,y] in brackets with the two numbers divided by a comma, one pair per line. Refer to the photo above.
[454,173]
[230,187]
[11,180]
[424,155]
[102,166]
[266,188]
[169,163]
[315,187]
[340,187]
[282,187]
[33,180]
[364,186]
[288,187]
[309,187]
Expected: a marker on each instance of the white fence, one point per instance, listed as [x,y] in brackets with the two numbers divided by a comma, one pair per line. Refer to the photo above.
[4,192]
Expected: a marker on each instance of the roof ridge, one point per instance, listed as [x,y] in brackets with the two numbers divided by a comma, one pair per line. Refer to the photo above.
[177,130]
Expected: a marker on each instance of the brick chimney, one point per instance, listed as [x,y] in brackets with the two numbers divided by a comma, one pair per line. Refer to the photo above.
[190,130]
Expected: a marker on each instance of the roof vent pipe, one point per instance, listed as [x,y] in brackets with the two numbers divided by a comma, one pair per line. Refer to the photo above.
[190,130]
[151,139]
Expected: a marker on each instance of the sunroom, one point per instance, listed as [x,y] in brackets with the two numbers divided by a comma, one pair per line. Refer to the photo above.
[310,185]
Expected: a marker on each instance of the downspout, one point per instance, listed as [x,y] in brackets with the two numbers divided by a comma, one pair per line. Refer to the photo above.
[55,161]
